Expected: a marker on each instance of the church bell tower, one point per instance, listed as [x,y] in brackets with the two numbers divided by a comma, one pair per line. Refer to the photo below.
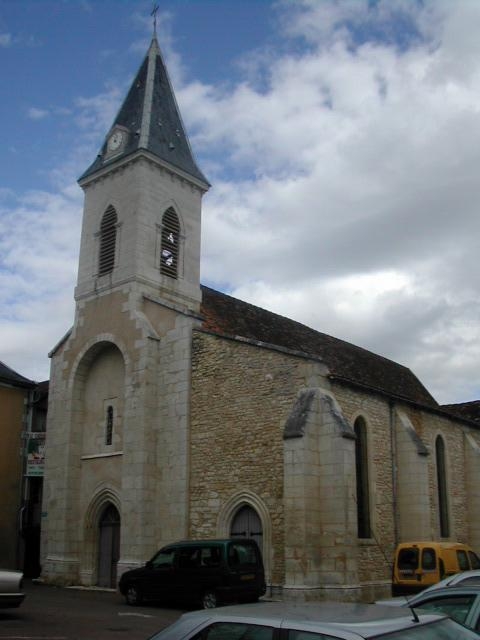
[118,417]
[143,192]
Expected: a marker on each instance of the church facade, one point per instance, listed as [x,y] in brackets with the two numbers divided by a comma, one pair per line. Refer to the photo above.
[176,411]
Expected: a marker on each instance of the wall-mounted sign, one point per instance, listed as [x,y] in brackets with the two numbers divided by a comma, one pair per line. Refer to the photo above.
[35,454]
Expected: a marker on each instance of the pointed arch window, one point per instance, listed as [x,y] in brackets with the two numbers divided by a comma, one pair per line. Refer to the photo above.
[442,487]
[170,244]
[361,472]
[108,237]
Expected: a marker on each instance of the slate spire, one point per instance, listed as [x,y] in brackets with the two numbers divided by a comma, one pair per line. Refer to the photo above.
[149,120]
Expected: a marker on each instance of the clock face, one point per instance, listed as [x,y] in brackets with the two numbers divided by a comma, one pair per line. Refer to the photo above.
[115,141]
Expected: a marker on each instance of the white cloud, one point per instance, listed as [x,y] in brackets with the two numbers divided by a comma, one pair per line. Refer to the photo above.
[360,214]
[37,114]
[345,187]
[39,238]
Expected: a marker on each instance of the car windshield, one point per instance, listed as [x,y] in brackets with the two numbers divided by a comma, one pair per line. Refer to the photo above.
[439,630]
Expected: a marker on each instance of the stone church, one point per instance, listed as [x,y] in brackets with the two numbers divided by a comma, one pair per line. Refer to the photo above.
[177,411]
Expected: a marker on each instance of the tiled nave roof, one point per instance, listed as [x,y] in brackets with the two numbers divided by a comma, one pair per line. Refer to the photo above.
[228,316]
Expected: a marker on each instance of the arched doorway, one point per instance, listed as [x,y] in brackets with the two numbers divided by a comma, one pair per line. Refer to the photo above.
[246,523]
[108,546]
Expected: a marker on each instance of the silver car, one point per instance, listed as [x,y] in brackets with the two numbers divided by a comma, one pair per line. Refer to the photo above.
[459,602]
[313,621]
[463,579]
[11,594]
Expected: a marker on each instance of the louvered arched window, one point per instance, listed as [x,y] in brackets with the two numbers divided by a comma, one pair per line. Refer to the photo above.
[442,487]
[361,472]
[108,236]
[170,244]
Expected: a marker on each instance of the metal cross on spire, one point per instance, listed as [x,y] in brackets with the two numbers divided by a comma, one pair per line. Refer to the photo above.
[154,14]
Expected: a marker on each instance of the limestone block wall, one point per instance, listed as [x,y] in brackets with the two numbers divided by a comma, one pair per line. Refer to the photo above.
[402,476]
[375,553]
[83,376]
[413,500]
[420,517]
[170,417]
[429,427]
[241,397]
[320,513]
[472,471]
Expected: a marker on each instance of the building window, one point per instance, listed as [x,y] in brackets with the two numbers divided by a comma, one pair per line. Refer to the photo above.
[109,425]
[108,234]
[170,244]
[442,487]
[361,470]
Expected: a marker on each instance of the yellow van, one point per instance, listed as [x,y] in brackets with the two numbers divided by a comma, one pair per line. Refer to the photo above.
[418,565]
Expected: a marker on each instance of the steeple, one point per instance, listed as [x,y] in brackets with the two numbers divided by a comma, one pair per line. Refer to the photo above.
[149,120]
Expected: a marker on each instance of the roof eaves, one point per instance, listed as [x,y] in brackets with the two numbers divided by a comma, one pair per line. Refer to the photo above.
[437,410]
[263,345]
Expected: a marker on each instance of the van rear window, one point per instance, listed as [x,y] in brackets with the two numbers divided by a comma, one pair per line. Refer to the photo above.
[462,561]
[429,559]
[241,555]
[408,559]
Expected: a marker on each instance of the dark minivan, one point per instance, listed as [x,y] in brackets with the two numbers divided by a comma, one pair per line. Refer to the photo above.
[204,572]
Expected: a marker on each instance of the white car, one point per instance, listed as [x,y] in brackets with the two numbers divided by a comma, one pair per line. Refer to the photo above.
[463,579]
[11,594]
[313,621]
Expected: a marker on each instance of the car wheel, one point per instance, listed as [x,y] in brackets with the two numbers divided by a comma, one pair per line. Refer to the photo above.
[133,595]
[209,600]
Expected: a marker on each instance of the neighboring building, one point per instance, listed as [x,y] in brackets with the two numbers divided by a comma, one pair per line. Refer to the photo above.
[23,416]
[33,481]
[467,410]
[15,394]
[177,411]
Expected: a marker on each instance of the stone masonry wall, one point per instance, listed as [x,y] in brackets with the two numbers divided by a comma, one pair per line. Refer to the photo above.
[428,427]
[411,457]
[241,397]
[374,553]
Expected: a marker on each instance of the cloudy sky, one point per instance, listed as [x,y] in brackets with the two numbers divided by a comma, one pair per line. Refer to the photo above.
[342,140]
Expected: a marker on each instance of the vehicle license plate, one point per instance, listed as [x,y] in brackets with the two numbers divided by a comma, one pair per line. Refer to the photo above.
[248,576]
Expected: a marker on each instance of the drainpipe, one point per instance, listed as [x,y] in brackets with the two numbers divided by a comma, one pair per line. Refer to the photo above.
[26,429]
[393,448]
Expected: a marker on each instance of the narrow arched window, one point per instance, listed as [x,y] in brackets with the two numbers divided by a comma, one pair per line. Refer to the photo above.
[361,472]
[108,235]
[109,425]
[170,244]
[442,487]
